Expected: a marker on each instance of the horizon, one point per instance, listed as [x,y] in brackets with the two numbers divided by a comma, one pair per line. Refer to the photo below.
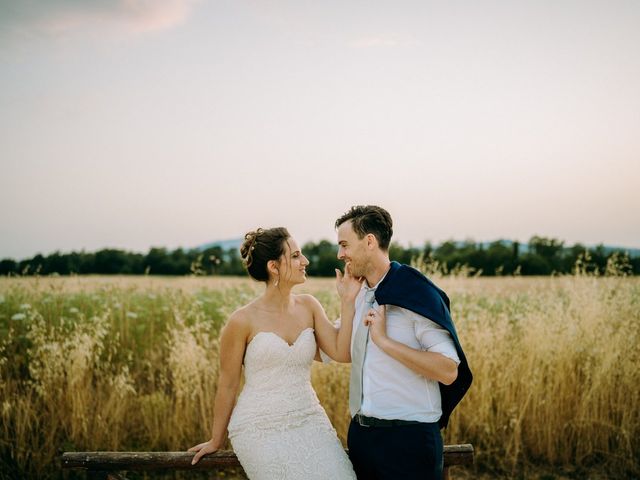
[633,251]
[182,120]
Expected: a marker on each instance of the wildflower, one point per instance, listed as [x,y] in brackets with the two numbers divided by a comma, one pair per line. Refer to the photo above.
[25,306]
[18,316]
[132,315]
[73,310]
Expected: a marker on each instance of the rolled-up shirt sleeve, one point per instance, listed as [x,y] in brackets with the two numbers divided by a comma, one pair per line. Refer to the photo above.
[434,338]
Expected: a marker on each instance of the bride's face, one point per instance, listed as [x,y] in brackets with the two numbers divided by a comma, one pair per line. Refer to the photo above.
[293,264]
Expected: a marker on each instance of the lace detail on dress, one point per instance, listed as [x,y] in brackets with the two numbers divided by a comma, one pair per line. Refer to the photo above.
[278,428]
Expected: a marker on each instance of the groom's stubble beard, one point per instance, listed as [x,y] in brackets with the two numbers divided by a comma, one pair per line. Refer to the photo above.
[360,267]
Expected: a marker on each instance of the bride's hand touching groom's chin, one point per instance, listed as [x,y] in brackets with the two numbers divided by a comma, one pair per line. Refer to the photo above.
[347,285]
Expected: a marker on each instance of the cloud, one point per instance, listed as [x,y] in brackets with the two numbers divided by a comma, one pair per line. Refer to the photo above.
[383,41]
[60,17]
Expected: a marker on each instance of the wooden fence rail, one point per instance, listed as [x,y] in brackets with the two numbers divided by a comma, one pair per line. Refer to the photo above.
[105,464]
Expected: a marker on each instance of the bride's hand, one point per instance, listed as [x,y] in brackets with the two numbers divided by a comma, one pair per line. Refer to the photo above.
[202,449]
[347,285]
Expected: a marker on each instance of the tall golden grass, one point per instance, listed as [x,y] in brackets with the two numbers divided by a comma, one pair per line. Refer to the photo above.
[96,363]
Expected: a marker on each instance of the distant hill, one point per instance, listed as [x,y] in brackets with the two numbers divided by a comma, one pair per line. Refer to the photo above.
[233,243]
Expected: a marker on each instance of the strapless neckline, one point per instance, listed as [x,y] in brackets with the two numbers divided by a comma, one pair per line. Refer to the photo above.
[282,339]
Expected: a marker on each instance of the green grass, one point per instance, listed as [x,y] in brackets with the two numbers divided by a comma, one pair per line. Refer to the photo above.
[130,363]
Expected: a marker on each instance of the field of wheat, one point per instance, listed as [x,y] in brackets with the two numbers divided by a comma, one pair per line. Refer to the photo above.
[130,363]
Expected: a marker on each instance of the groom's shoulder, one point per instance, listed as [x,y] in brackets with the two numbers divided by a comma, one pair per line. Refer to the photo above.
[410,277]
[403,272]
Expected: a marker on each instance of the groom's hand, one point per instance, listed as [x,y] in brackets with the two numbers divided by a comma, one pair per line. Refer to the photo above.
[376,320]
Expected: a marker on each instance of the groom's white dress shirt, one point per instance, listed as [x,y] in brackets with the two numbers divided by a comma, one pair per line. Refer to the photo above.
[391,390]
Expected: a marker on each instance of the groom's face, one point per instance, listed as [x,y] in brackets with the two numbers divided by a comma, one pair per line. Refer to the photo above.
[352,250]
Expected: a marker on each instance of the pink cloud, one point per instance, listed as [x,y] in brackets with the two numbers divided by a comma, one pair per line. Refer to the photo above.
[150,15]
[130,16]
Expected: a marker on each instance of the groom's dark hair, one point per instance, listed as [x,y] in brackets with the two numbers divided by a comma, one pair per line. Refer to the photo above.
[367,219]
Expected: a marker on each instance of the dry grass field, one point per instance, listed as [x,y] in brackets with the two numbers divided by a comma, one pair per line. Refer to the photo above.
[130,363]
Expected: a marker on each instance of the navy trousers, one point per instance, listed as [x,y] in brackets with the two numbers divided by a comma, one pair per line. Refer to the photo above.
[399,452]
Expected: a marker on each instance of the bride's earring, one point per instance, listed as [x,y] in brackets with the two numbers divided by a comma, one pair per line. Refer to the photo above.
[276,284]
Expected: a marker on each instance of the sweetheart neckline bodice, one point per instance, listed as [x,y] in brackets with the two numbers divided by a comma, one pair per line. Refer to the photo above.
[267,332]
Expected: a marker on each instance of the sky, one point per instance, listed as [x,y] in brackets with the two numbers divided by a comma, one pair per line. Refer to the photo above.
[138,123]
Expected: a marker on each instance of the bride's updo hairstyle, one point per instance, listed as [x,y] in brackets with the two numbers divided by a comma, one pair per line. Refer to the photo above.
[259,247]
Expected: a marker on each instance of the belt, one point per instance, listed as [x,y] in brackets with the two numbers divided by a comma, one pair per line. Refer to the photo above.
[381,422]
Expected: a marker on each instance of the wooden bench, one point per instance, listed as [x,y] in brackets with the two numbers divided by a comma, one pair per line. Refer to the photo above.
[105,465]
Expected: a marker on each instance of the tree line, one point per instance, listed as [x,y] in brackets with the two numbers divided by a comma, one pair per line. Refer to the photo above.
[540,256]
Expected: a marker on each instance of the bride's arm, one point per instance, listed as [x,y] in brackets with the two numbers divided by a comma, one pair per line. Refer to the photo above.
[233,340]
[336,342]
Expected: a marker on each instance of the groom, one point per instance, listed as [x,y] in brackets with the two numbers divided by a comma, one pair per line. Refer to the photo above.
[408,369]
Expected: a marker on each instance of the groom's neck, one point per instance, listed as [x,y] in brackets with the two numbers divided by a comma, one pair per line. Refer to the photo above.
[379,268]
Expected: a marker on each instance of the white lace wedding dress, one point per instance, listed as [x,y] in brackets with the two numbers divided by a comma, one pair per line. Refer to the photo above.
[278,428]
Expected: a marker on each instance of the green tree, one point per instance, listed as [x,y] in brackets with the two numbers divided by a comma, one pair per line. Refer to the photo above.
[323,258]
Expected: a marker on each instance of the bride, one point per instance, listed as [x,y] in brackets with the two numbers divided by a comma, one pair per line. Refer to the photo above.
[278,428]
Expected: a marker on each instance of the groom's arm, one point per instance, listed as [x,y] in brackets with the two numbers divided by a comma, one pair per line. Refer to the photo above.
[432,365]
[429,364]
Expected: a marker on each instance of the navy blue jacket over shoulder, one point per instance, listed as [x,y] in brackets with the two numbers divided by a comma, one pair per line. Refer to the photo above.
[406,287]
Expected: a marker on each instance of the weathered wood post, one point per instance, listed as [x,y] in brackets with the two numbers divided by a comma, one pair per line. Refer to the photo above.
[105,465]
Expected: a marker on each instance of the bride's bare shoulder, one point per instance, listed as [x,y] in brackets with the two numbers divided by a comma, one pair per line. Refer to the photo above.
[308,300]
[240,320]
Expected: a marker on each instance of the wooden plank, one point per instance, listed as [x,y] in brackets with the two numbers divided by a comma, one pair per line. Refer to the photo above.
[458,454]
[114,461]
